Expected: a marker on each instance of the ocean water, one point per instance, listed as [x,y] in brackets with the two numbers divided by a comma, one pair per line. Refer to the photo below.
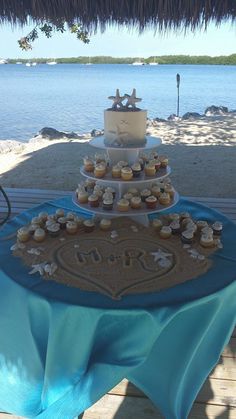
[72,97]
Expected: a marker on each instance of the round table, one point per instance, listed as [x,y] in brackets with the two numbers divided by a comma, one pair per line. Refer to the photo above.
[61,349]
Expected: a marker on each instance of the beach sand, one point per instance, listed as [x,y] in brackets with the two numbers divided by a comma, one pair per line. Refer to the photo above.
[202,156]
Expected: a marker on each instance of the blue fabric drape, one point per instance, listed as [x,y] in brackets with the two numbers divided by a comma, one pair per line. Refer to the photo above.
[62,349]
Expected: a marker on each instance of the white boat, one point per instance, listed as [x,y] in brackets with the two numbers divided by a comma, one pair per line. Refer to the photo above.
[153,63]
[18,62]
[2,61]
[51,62]
[138,63]
[28,65]
[34,64]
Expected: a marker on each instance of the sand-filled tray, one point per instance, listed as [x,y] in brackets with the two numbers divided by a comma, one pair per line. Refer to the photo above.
[128,259]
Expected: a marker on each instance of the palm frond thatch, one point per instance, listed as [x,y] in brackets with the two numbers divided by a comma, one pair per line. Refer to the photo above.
[141,14]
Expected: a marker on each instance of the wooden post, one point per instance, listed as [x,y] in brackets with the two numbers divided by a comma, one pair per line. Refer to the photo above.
[178,83]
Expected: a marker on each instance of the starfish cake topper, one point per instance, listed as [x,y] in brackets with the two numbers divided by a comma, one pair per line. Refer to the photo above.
[117,100]
[132,99]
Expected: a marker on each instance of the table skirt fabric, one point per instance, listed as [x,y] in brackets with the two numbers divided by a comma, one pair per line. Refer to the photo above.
[59,358]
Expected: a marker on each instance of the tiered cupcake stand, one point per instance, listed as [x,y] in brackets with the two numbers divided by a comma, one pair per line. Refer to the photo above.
[129,154]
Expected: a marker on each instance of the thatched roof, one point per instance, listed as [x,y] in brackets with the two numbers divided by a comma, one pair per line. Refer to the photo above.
[158,14]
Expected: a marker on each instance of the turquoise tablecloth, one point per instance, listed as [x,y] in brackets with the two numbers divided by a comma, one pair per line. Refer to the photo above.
[62,349]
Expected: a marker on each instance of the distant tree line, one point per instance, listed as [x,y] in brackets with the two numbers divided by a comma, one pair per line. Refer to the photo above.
[164,59]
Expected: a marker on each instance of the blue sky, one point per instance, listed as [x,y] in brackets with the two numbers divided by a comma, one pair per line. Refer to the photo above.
[122,43]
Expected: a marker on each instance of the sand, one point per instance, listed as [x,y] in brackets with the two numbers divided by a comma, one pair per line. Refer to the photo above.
[202,154]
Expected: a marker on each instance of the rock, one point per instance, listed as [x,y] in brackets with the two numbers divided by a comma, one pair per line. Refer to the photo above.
[173,117]
[53,134]
[191,115]
[216,110]
[97,133]
[6,146]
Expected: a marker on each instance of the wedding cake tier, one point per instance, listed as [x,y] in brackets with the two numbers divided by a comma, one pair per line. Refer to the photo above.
[125,125]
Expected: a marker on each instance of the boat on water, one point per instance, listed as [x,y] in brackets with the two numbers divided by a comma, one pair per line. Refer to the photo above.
[34,64]
[51,63]
[2,61]
[138,63]
[153,63]
[28,65]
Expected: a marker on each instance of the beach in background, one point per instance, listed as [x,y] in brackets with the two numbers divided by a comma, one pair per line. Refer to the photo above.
[202,155]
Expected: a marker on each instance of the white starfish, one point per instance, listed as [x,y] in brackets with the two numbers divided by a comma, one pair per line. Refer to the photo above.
[38,268]
[132,99]
[117,100]
[160,255]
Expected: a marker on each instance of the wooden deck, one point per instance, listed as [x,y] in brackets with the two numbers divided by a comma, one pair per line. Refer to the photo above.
[217,398]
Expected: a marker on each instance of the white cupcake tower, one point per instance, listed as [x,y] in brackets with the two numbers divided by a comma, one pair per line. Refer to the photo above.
[129,154]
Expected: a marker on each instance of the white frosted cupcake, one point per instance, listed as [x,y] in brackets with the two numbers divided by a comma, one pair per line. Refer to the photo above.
[23,234]
[157,224]
[71,227]
[207,240]
[105,224]
[135,202]
[217,228]
[39,235]
[165,232]
[123,205]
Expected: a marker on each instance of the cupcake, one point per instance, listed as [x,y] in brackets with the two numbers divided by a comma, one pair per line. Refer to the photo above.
[89,184]
[154,155]
[164,198]
[174,216]
[82,196]
[71,227]
[100,158]
[53,229]
[207,240]
[150,169]
[164,161]
[144,194]
[88,164]
[136,168]
[107,204]
[100,170]
[128,196]
[123,205]
[134,191]
[191,226]
[126,173]
[62,222]
[111,191]
[207,231]
[187,237]
[93,200]
[165,232]
[23,234]
[116,171]
[122,163]
[151,202]
[79,221]
[217,228]
[156,191]
[135,202]
[36,220]
[184,215]
[157,224]
[70,216]
[157,164]
[43,216]
[33,227]
[175,227]
[170,190]
[201,224]
[105,224]
[60,213]
[89,226]
[39,235]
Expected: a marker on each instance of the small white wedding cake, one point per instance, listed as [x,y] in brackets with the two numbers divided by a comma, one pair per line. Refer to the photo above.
[125,125]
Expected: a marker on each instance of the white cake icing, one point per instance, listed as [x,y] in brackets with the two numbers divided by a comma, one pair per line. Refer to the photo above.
[125,125]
